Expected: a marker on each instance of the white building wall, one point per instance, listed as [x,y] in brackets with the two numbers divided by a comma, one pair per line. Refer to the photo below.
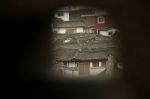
[90,30]
[91,65]
[61,30]
[79,30]
[71,64]
[65,17]
[100,64]
[104,33]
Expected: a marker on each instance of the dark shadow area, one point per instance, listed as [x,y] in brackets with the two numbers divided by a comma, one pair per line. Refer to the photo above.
[26,27]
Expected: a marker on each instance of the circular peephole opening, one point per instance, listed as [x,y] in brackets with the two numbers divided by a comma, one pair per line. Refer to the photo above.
[86,44]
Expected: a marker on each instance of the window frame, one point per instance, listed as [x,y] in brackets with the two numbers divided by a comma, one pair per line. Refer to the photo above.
[101,22]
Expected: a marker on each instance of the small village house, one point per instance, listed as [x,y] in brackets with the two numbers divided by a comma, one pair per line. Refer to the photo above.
[82,65]
[69,27]
[97,21]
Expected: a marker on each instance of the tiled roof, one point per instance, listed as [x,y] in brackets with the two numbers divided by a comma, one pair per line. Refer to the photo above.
[68,24]
[92,56]
[97,13]
[97,49]
[65,54]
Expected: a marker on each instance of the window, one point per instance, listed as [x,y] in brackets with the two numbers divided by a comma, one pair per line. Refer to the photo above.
[110,33]
[60,13]
[101,20]
[95,64]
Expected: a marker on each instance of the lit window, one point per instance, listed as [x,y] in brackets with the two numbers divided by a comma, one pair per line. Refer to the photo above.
[101,20]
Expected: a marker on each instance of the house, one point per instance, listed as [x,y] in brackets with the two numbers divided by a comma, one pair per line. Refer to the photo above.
[69,27]
[82,65]
[95,22]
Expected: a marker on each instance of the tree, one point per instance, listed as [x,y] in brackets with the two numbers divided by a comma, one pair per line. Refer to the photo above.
[110,66]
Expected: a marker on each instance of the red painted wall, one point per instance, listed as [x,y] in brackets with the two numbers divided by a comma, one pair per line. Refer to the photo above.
[90,20]
[93,20]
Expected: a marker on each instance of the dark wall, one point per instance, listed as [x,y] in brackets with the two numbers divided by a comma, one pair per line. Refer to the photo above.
[26,26]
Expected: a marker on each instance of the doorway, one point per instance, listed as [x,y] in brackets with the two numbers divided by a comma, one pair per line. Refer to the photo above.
[84,68]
